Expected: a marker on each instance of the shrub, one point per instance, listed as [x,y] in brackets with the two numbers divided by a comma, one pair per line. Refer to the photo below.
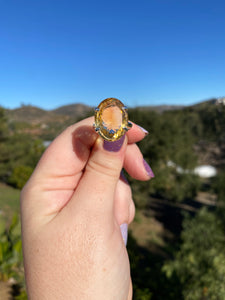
[11,258]
[19,176]
[200,262]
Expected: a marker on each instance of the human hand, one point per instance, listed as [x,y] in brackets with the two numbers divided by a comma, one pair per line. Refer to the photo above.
[72,208]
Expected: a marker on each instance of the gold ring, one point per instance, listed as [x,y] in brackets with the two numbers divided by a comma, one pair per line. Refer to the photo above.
[111,119]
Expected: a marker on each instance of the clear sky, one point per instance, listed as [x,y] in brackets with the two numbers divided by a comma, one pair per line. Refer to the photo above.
[144,52]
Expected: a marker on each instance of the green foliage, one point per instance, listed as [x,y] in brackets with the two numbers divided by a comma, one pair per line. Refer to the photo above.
[198,267]
[168,184]
[11,259]
[10,250]
[21,296]
[142,294]
[213,120]
[3,125]
[171,185]
[9,200]
[149,282]
[219,187]
[16,149]
[172,136]
[200,262]
[20,175]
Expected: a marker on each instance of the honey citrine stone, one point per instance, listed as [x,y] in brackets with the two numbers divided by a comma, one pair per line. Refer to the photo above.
[111,119]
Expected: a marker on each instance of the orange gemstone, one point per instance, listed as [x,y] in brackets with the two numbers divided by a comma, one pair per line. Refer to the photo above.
[111,119]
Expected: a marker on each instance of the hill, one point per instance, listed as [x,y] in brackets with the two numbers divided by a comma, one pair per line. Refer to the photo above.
[161,108]
[29,114]
[45,124]
[48,123]
[73,110]
[35,115]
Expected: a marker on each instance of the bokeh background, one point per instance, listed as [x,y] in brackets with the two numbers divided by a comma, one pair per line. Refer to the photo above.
[165,60]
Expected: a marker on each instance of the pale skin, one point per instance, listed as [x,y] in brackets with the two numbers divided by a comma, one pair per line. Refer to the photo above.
[72,208]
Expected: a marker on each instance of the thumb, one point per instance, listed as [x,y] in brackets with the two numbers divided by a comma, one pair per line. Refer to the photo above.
[97,186]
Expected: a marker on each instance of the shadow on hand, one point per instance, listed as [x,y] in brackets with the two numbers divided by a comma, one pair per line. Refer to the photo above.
[83,139]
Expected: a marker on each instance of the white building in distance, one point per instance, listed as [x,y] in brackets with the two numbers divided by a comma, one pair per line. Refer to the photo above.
[203,171]
[220,101]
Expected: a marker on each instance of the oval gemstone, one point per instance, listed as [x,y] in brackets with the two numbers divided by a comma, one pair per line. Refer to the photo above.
[111,119]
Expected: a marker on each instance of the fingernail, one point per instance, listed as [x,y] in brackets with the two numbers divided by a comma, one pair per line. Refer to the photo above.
[144,130]
[124,232]
[122,177]
[148,169]
[114,146]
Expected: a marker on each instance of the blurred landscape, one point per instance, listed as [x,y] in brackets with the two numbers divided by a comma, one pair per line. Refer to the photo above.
[177,240]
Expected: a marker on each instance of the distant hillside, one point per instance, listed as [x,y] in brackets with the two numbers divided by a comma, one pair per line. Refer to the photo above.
[198,106]
[204,104]
[70,113]
[205,119]
[34,115]
[29,114]
[161,108]
[80,110]
[43,123]
[73,110]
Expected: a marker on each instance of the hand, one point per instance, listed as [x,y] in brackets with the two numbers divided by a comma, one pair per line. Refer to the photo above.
[72,208]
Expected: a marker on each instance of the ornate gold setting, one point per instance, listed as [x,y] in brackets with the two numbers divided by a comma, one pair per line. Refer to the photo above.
[111,119]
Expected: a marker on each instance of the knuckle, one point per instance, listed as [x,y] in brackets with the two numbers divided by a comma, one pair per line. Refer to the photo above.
[105,166]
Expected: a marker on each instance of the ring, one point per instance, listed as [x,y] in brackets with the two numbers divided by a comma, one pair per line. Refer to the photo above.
[111,119]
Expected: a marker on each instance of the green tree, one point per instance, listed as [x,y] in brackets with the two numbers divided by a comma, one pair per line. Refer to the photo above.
[18,150]
[19,176]
[11,258]
[200,261]
[10,250]
[219,188]
[172,136]
[3,125]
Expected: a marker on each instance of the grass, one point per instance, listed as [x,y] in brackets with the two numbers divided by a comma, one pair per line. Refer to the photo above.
[9,201]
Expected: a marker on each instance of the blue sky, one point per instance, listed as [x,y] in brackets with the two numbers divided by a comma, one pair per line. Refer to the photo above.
[146,52]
